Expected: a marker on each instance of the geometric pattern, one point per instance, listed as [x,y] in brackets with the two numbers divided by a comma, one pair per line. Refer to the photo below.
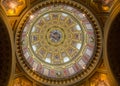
[59,43]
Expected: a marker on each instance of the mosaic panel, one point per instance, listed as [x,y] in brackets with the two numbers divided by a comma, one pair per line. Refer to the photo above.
[13,7]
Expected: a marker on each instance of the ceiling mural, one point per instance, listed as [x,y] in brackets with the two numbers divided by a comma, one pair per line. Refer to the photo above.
[13,7]
[99,79]
[22,81]
[103,5]
[58,42]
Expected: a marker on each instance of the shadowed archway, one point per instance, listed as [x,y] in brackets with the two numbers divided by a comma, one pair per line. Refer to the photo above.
[113,45]
[5,54]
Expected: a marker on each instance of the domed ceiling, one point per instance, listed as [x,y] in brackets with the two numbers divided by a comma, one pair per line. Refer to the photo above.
[58,42]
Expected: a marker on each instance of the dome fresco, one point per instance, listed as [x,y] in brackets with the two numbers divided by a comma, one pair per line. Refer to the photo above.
[58,41]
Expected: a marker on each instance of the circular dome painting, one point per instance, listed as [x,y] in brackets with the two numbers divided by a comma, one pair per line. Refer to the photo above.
[57,42]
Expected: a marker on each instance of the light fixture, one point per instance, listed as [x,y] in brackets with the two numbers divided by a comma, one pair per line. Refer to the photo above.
[31,16]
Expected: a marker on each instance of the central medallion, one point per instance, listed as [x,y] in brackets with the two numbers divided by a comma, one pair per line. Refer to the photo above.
[55,36]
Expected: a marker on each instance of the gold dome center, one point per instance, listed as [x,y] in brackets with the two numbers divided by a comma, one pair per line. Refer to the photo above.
[55,36]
